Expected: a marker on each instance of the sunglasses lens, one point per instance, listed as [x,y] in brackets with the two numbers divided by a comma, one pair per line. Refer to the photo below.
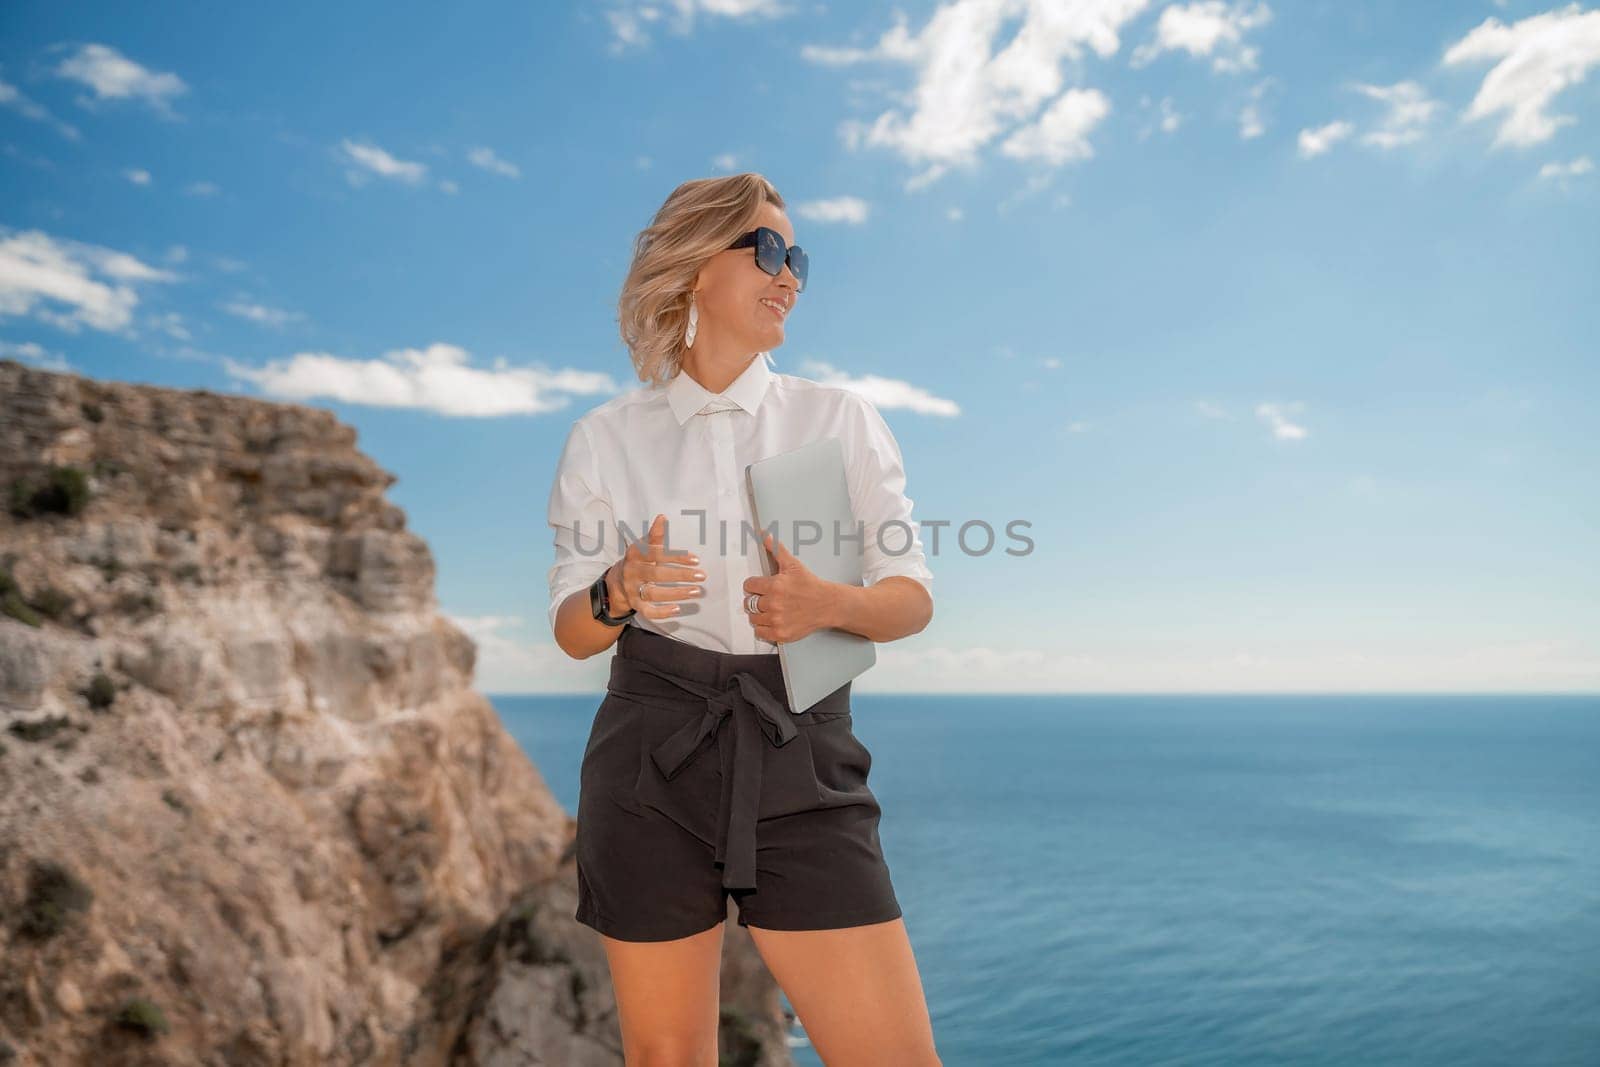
[770,252]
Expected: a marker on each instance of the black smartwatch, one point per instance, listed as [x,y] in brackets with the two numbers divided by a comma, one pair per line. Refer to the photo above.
[600,603]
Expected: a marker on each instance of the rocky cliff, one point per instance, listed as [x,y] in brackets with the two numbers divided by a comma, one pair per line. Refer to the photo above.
[251,809]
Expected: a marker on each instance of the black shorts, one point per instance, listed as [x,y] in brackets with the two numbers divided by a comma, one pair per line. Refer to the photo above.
[698,783]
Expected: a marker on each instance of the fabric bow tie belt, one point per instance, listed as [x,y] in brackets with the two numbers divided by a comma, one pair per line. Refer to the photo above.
[755,712]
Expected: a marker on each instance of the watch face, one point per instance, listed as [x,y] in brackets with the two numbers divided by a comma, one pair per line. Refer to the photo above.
[600,603]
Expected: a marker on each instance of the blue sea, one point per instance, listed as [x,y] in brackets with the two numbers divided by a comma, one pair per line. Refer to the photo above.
[1230,879]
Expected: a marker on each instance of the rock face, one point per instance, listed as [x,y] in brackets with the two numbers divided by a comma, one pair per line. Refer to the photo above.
[251,809]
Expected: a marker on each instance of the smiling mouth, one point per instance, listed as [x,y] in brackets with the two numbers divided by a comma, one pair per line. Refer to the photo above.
[772,309]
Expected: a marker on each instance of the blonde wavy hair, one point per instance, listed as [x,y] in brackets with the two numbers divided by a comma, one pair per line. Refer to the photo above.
[701,218]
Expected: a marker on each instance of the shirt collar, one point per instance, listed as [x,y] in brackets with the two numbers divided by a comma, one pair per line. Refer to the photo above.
[687,396]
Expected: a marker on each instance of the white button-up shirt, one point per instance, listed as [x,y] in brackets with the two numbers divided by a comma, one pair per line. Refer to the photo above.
[679,450]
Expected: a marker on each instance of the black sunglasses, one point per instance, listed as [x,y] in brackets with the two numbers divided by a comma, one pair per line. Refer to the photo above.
[772,254]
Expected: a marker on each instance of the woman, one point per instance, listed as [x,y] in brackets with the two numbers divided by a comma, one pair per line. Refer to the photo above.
[699,783]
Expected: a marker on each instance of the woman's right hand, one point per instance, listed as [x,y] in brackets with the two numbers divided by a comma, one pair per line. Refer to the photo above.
[652,564]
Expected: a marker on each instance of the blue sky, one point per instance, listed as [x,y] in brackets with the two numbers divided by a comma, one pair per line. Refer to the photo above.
[1277,322]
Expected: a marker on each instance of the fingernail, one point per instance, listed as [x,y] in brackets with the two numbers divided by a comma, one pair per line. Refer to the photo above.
[700,576]
[676,609]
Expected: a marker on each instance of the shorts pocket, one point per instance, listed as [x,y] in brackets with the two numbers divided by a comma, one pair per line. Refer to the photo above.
[843,761]
[788,777]
[611,756]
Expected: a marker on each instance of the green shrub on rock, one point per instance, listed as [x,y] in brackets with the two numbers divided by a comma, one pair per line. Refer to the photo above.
[55,895]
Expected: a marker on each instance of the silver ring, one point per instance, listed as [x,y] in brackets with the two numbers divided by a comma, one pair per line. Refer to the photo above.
[641,590]
[752,603]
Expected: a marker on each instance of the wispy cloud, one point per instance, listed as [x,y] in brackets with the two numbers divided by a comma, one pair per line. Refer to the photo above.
[849,209]
[14,98]
[1315,142]
[437,378]
[1277,417]
[1251,122]
[632,21]
[1535,59]
[364,160]
[113,76]
[41,275]
[884,392]
[489,161]
[1167,122]
[1208,29]
[967,96]
[170,323]
[260,314]
[1409,110]
[34,353]
[137,176]
[1217,663]
[1562,171]
[201,189]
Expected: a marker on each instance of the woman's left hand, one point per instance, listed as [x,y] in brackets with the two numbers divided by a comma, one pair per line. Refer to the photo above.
[794,602]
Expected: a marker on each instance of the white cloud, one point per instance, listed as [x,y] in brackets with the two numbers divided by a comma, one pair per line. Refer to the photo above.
[1251,124]
[33,353]
[1207,28]
[370,159]
[201,189]
[509,663]
[631,20]
[137,176]
[1315,142]
[1277,416]
[884,392]
[437,378]
[726,161]
[262,315]
[489,161]
[967,95]
[1409,111]
[40,274]
[1061,133]
[1361,665]
[850,209]
[113,76]
[1169,119]
[1581,165]
[1536,59]
[12,97]
[170,323]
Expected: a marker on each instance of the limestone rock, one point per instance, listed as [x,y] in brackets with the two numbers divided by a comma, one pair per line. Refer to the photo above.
[252,810]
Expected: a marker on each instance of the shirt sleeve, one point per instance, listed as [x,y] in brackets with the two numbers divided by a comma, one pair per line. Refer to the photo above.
[878,496]
[580,515]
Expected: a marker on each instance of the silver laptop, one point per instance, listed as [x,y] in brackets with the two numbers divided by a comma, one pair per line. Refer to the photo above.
[804,491]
